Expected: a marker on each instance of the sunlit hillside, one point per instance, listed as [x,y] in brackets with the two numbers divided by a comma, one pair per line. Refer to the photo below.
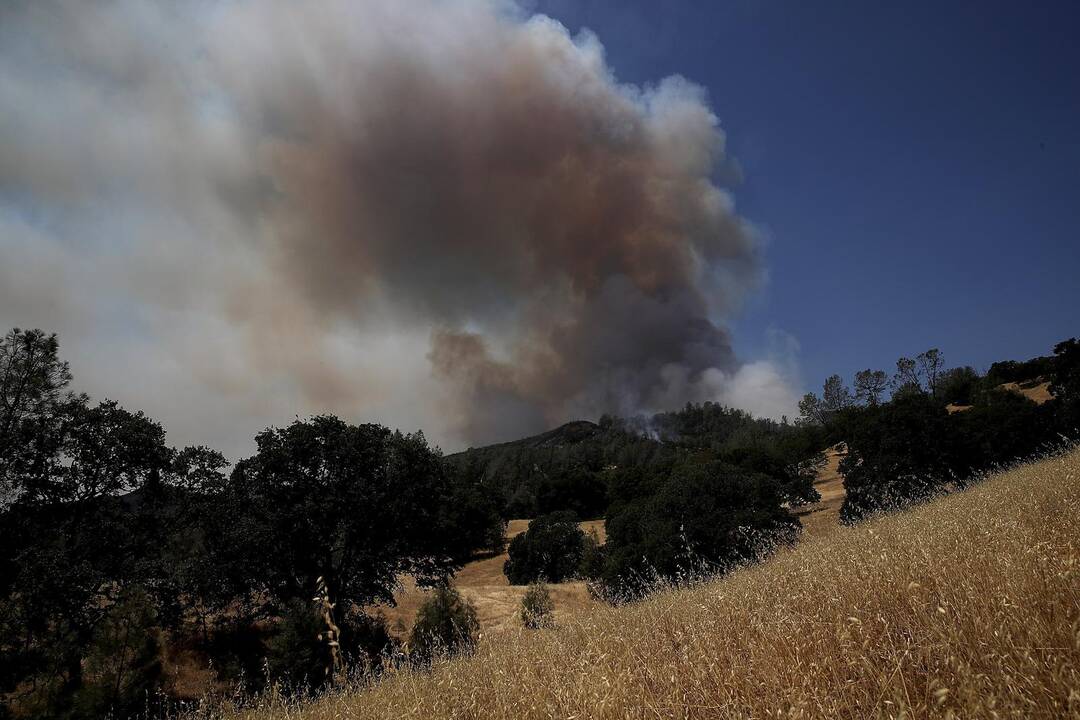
[968,606]
[497,601]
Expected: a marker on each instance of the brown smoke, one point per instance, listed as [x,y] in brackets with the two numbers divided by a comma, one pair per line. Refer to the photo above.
[455,170]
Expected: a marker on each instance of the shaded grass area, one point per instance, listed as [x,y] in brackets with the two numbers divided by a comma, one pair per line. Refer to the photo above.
[968,606]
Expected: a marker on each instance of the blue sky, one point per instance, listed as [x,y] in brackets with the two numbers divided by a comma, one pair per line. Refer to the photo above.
[915,166]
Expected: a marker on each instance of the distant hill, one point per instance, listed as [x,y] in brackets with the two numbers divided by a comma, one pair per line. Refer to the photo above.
[570,466]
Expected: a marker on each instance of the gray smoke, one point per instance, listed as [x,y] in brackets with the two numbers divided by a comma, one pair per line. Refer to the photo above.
[427,213]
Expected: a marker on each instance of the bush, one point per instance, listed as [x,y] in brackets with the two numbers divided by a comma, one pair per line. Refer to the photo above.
[592,557]
[298,654]
[295,656]
[1003,426]
[537,609]
[959,386]
[898,453]
[701,518]
[446,624]
[551,550]
[122,670]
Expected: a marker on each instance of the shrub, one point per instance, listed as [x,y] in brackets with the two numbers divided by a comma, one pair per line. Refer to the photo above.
[298,655]
[592,557]
[898,453]
[537,609]
[701,518]
[446,624]
[959,386]
[295,656]
[122,670]
[551,549]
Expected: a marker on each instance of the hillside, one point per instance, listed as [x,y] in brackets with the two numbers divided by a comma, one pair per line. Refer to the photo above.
[964,607]
[497,601]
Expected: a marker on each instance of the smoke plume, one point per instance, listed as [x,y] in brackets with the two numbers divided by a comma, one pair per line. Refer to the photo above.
[448,215]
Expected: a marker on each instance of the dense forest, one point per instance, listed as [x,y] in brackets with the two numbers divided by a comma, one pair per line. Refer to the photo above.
[117,545]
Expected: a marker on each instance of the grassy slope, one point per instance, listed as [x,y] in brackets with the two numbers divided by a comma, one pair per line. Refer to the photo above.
[484,584]
[497,602]
[968,606]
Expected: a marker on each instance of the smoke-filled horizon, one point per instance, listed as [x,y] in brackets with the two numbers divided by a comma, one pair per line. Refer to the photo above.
[449,216]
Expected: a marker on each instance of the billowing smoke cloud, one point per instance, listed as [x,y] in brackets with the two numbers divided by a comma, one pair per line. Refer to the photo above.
[435,214]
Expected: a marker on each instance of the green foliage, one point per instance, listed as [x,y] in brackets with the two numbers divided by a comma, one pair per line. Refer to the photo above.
[295,656]
[1065,385]
[356,504]
[897,454]
[572,467]
[593,557]
[1001,427]
[1008,371]
[446,624]
[959,386]
[870,386]
[537,608]
[299,657]
[122,668]
[473,510]
[112,540]
[697,518]
[911,448]
[551,549]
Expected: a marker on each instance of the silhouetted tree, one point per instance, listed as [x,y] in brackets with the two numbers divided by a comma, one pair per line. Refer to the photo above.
[898,453]
[358,505]
[906,377]
[870,386]
[959,386]
[550,549]
[698,518]
[1065,385]
[811,410]
[78,534]
[930,364]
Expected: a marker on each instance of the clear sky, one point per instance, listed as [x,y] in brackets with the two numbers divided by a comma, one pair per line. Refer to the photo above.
[915,165]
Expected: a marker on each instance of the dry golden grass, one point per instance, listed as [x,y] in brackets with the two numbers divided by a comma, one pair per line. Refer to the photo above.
[1037,390]
[497,602]
[1033,390]
[824,516]
[966,607]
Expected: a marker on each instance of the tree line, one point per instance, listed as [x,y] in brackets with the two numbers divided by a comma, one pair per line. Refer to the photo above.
[929,428]
[113,540]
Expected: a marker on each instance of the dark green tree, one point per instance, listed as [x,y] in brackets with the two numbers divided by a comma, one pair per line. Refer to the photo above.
[700,518]
[898,453]
[1065,385]
[959,386]
[358,505]
[77,535]
[551,549]
[870,386]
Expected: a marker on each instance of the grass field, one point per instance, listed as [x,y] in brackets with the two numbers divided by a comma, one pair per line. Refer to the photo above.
[967,607]
[484,584]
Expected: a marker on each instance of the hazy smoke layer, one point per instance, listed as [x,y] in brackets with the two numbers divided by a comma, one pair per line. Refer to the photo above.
[428,213]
